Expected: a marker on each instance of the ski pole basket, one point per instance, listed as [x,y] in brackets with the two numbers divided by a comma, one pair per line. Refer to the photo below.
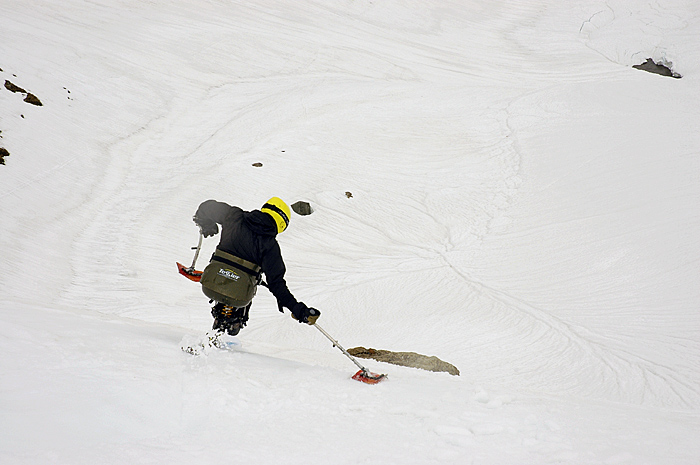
[364,375]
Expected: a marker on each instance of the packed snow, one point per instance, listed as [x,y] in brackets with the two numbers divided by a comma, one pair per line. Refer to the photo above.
[492,184]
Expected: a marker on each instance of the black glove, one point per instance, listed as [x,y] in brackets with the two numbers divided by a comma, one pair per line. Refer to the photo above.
[208,227]
[304,314]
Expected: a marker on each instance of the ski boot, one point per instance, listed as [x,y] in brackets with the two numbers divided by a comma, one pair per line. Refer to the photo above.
[229,319]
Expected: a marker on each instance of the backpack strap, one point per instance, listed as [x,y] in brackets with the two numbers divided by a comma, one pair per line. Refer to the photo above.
[237,262]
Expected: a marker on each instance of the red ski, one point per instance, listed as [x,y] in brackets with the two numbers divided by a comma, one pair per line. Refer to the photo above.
[368,377]
[189,273]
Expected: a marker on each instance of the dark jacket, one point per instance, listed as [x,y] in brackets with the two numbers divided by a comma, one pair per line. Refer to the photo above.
[251,236]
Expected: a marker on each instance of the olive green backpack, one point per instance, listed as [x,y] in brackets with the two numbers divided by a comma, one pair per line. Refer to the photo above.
[230,280]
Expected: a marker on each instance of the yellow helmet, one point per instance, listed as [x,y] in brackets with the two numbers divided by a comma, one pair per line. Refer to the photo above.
[279,211]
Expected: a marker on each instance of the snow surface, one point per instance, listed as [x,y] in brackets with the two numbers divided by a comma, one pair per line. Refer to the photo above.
[524,205]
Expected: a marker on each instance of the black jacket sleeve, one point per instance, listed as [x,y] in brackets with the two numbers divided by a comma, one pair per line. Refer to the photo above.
[274,269]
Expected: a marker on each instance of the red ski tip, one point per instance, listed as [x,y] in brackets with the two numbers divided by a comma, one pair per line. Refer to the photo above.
[368,377]
[189,273]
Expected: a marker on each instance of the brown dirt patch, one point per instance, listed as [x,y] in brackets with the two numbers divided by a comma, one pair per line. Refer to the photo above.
[406,359]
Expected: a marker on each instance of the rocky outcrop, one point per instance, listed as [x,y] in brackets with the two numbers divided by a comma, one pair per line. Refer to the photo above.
[29,97]
[657,68]
[406,359]
[302,208]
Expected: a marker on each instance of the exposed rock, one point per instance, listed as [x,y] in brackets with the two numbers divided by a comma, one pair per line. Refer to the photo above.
[348,195]
[302,208]
[13,88]
[31,98]
[257,164]
[406,359]
[3,153]
[652,67]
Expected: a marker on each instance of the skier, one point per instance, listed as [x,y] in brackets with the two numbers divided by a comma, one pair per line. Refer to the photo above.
[247,249]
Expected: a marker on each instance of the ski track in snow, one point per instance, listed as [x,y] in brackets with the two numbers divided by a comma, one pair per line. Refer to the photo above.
[510,213]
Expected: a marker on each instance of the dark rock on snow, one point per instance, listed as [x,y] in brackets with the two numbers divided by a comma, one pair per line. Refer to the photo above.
[302,208]
[406,359]
[652,67]
[3,153]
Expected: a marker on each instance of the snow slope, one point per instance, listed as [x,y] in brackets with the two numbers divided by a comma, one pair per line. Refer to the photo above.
[524,205]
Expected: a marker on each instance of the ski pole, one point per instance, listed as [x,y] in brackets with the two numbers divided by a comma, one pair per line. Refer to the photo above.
[190,273]
[336,344]
[198,248]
